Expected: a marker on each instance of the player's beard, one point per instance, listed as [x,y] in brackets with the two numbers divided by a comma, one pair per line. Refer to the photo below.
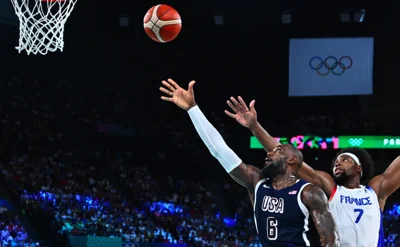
[274,169]
[341,179]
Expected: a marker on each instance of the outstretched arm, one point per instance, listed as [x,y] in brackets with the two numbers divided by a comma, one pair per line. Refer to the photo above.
[242,173]
[245,175]
[247,116]
[317,203]
[387,183]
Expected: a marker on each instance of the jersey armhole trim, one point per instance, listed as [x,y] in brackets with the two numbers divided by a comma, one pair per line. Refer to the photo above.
[255,192]
[255,200]
[333,193]
[306,213]
[370,189]
[373,191]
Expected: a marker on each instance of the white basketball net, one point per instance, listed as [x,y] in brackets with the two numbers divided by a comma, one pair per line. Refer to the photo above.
[42,23]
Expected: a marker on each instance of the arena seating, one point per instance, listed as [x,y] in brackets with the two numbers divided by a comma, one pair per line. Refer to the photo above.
[55,163]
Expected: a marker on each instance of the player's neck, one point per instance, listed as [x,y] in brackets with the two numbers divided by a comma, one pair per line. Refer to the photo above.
[352,184]
[283,181]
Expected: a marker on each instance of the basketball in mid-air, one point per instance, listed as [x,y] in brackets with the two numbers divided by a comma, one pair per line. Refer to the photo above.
[162,23]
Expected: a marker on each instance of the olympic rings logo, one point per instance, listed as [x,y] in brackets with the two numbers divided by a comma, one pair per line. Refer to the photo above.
[330,64]
[356,142]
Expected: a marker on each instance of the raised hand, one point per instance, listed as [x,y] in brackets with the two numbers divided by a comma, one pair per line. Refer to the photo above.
[244,115]
[179,96]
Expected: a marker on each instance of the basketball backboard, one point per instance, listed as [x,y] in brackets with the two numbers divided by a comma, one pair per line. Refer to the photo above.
[7,13]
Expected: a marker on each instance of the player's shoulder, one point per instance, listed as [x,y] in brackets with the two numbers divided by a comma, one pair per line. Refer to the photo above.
[310,188]
[300,184]
[370,191]
[313,194]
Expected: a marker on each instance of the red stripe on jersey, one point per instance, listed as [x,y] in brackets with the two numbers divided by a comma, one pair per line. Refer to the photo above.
[333,193]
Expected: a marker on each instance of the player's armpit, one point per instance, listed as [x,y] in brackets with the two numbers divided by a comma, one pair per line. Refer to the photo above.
[317,203]
[246,175]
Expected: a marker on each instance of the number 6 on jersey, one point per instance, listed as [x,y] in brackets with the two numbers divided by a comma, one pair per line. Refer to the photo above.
[272,229]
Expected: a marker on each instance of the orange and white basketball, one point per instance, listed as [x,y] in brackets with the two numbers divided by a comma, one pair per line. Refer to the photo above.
[162,23]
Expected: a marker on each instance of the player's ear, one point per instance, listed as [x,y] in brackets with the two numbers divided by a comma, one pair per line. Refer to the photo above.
[293,160]
[359,169]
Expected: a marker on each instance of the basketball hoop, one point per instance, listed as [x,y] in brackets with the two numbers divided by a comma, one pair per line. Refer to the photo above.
[41,28]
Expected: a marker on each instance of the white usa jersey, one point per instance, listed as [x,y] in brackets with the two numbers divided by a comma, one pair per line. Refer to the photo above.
[357,216]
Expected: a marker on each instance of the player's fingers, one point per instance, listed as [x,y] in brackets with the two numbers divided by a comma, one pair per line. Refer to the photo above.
[234,101]
[242,103]
[166,98]
[229,114]
[173,83]
[252,105]
[169,86]
[191,85]
[166,91]
[232,106]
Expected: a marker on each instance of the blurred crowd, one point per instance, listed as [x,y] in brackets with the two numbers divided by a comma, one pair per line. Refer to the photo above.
[392,226]
[90,189]
[12,233]
[57,164]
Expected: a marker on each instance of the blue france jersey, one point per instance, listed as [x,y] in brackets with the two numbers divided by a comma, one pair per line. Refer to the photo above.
[281,218]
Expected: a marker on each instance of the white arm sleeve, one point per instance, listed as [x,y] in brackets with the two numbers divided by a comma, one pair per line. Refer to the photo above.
[213,140]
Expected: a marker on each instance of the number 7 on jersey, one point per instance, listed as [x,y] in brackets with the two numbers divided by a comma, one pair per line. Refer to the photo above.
[360,213]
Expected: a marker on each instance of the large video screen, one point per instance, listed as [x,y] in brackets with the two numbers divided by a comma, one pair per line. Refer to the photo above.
[334,142]
[331,66]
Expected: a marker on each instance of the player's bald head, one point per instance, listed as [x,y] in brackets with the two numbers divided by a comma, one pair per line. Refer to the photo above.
[290,151]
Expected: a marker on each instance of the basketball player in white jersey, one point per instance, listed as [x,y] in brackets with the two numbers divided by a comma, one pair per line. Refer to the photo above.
[356,200]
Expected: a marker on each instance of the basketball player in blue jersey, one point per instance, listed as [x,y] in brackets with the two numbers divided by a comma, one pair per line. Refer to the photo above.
[282,203]
[356,201]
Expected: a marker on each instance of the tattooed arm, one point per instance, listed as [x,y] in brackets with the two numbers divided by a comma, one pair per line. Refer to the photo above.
[317,204]
[247,176]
